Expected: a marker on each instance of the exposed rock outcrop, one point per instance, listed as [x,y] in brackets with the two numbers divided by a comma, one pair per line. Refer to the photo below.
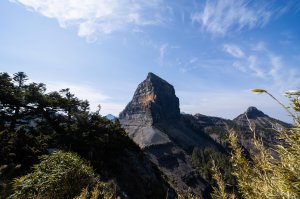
[252,113]
[265,127]
[154,101]
[152,119]
[257,117]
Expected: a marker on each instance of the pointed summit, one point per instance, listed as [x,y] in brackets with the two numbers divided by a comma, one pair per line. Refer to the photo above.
[154,101]
[252,112]
[154,78]
[152,75]
[152,120]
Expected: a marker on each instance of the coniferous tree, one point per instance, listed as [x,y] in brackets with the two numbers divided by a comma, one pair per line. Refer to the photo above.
[7,98]
[19,78]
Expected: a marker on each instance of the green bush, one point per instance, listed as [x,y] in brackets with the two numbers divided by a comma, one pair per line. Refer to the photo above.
[59,175]
[99,191]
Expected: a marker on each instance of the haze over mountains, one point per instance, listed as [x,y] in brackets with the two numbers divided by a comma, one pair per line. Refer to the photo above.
[152,120]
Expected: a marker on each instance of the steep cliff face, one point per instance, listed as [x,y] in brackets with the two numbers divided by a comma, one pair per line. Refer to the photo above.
[154,101]
[152,119]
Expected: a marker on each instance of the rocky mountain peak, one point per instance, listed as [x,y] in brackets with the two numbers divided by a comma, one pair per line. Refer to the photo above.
[154,101]
[152,120]
[153,76]
[252,112]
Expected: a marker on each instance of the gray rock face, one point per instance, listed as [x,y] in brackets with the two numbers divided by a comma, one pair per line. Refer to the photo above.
[154,101]
[265,127]
[152,119]
[252,113]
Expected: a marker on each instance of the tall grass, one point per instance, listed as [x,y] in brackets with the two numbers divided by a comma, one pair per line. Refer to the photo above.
[263,175]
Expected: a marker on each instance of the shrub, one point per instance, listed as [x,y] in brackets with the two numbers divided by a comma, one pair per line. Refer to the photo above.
[267,176]
[59,175]
[99,191]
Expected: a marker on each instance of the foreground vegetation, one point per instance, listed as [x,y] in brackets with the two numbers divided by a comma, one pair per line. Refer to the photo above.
[60,175]
[270,173]
[34,123]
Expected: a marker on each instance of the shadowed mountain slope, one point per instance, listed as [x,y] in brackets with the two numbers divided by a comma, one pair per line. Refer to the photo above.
[152,119]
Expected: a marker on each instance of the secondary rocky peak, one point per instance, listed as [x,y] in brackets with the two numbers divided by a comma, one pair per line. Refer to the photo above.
[253,112]
[252,109]
[154,101]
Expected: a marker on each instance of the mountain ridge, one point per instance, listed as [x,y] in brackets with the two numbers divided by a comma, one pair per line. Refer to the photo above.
[152,120]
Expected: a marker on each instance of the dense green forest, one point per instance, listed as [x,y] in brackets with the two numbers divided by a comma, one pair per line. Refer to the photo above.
[34,123]
[204,159]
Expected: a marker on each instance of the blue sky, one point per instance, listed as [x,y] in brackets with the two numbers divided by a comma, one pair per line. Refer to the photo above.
[213,52]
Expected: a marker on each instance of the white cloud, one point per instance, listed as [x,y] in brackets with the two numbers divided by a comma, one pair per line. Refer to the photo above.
[220,17]
[259,47]
[96,17]
[246,63]
[285,78]
[265,64]
[276,65]
[233,50]
[94,96]
[254,67]
[238,65]
[162,52]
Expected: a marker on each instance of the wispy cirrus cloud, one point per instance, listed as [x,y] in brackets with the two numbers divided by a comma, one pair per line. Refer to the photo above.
[233,50]
[263,63]
[162,52]
[96,17]
[221,17]
[254,66]
[243,62]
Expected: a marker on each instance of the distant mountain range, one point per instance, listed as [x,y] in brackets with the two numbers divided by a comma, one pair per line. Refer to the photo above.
[153,121]
[110,117]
